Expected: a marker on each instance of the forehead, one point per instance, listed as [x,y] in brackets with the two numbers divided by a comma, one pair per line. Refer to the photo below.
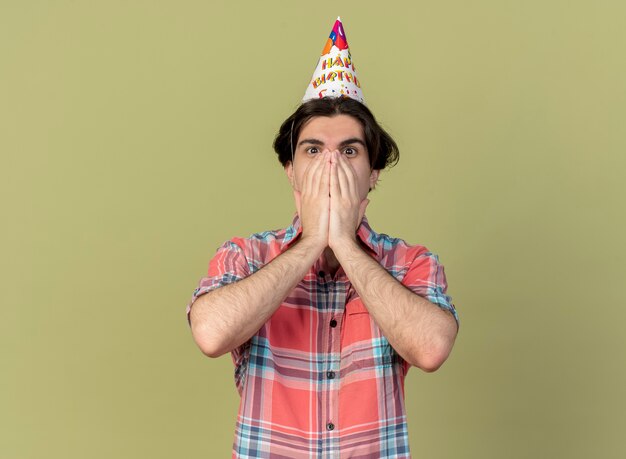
[332,128]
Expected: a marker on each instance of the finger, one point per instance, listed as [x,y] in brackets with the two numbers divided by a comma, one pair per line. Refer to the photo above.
[305,176]
[350,176]
[335,190]
[324,187]
[344,181]
[320,173]
[311,174]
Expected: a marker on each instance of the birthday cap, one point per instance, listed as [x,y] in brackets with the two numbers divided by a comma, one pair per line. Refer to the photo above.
[335,74]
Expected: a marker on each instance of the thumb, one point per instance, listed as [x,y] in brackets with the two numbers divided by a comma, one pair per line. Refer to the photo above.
[297,199]
[362,208]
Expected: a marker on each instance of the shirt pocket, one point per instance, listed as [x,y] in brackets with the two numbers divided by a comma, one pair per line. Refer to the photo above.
[356,306]
[364,345]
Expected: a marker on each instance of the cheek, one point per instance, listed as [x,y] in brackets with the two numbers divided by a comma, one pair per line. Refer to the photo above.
[365,190]
[364,183]
[298,175]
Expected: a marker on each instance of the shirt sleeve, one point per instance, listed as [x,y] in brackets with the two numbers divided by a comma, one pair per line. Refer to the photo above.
[426,277]
[228,265]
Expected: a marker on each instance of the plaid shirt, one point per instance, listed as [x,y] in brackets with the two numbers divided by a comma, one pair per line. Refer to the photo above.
[319,379]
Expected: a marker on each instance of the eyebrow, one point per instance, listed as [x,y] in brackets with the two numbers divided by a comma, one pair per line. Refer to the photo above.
[318,142]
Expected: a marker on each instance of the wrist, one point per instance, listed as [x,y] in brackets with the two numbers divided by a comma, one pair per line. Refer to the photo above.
[312,244]
[344,246]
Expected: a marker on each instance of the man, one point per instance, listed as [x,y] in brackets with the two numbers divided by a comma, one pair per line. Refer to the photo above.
[324,318]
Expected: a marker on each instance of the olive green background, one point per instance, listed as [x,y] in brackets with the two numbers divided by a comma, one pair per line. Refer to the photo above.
[135,137]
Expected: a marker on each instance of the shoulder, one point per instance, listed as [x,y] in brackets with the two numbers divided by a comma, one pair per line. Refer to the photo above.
[395,250]
[258,248]
[259,239]
[401,258]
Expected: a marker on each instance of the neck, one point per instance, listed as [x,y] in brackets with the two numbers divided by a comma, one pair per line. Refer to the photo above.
[329,261]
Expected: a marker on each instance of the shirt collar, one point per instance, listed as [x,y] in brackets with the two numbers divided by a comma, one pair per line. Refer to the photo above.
[292,233]
[364,233]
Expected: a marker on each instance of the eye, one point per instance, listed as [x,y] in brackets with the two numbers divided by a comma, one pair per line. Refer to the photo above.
[349,151]
[312,150]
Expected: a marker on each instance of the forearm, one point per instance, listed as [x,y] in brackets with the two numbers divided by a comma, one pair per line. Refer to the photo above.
[227,317]
[420,331]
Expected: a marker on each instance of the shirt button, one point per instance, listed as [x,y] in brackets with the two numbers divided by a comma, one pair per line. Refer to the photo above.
[321,274]
[330,426]
[333,323]
[330,375]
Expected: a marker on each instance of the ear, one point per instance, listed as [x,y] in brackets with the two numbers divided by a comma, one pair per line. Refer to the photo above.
[374,178]
[289,172]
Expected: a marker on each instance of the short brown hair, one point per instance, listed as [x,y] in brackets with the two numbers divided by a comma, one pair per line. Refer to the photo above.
[382,149]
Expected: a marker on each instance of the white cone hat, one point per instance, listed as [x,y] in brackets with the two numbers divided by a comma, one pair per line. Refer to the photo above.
[335,75]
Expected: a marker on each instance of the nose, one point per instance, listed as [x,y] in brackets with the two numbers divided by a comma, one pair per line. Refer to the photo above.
[333,154]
